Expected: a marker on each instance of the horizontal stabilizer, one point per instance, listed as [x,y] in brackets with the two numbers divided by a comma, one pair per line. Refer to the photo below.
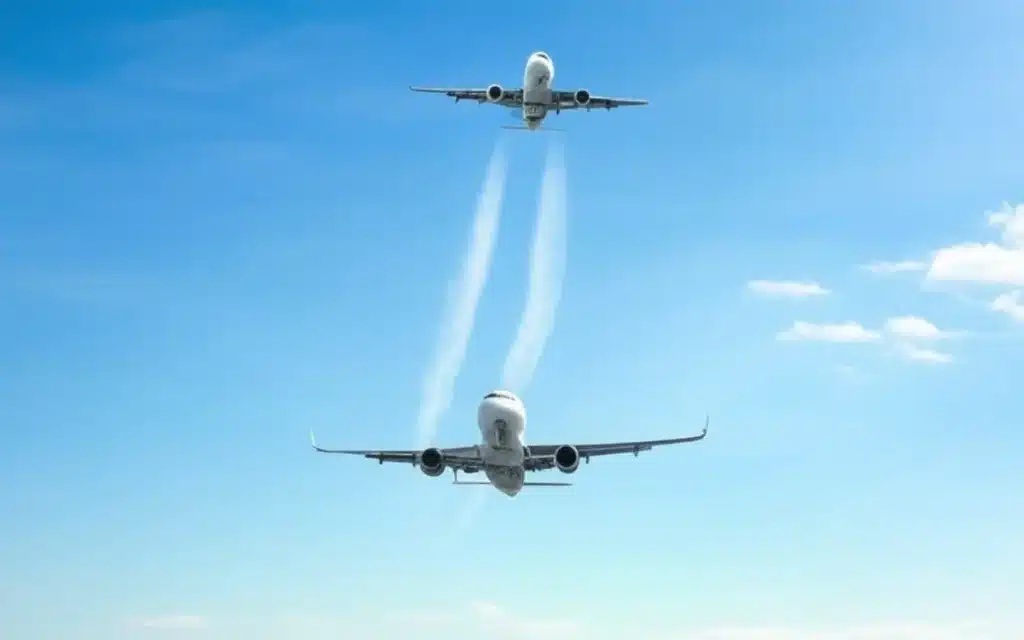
[525,128]
[525,484]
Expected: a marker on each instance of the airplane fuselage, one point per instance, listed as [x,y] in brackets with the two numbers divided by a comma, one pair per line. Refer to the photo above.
[537,79]
[502,421]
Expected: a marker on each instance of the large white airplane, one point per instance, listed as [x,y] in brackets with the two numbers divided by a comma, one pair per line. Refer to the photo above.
[503,455]
[536,97]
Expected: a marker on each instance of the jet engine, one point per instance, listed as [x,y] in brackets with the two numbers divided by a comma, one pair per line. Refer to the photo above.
[567,458]
[495,93]
[432,462]
[582,97]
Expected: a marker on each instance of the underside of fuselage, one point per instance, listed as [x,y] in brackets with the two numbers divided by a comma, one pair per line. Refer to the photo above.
[537,79]
[502,421]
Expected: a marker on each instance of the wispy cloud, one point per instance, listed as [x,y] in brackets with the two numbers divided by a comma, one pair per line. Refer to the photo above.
[547,271]
[915,328]
[909,332]
[491,620]
[170,622]
[470,510]
[903,333]
[923,354]
[902,266]
[787,288]
[182,75]
[838,332]
[1010,303]
[463,298]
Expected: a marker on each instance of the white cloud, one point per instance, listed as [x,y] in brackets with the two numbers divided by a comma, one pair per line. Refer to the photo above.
[975,262]
[547,272]
[487,619]
[900,333]
[850,373]
[1010,303]
[921,354]
[464,296]
[841,332]
[787,288]
[498,623]
[901,266]
[989,262]
[174,622]
[1011,219]
[914,327]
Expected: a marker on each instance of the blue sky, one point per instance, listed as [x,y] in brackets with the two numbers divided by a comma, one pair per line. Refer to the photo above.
[221,228]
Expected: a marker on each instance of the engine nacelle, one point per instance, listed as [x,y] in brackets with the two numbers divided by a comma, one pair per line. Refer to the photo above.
[582,97]
[495,93]
[432,462]
[567,458]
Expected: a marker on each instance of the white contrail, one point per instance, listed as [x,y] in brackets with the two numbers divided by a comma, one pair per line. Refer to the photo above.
[463,297]
[547,270]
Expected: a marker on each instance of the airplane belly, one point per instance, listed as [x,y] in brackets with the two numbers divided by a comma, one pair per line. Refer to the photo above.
[537,90]
[509,482]
[505,467]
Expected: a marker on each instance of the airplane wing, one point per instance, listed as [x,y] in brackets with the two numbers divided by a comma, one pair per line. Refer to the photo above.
[543,456]
[511,98]
[567,100]
[462,458]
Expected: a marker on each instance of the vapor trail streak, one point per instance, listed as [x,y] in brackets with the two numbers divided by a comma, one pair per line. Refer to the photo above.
[547,271]
[463,297]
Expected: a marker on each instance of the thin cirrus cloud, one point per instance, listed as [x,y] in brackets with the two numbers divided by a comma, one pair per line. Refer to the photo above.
[923,354]
[915,328]
[836,332]
[905,333]
[787,288]
[901,266]
[1010,303]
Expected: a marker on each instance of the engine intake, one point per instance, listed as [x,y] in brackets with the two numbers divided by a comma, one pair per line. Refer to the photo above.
[567,458]
[495,93]
[582,97]
[432,462]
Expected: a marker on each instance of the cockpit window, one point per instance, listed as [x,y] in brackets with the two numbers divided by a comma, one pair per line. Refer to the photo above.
[500,394]
[541,54]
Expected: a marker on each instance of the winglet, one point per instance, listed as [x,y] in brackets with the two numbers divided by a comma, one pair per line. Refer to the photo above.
[312,440]
[707,421]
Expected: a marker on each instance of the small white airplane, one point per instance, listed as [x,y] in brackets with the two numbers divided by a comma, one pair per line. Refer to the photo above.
[535,97]
[502,454]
